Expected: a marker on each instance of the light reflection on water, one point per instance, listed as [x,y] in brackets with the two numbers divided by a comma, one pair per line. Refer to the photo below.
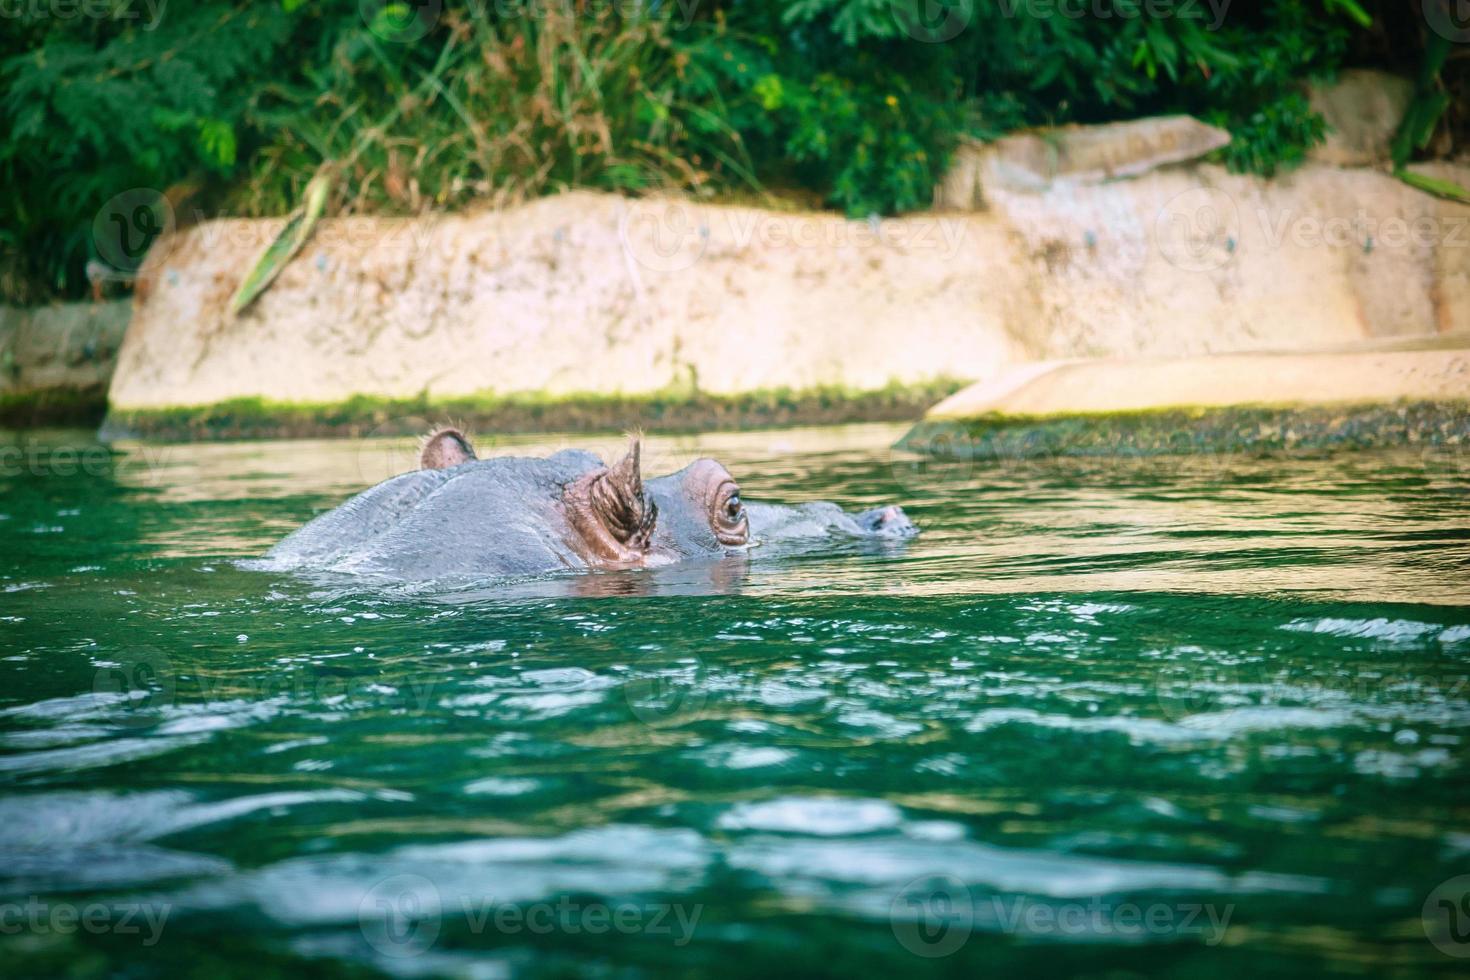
[1228,683]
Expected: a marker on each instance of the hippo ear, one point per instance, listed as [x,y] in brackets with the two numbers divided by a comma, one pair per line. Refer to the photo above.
[619,501]
[446,448]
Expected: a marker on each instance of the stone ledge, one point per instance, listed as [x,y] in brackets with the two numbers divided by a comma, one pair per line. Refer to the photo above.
[1393,393]
[1435,369]
[1033,161]
[63,406]
[1200,431]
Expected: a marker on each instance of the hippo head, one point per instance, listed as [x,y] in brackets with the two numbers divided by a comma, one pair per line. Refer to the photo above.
[614,519]
[618,519]
[621,520]
[461,516]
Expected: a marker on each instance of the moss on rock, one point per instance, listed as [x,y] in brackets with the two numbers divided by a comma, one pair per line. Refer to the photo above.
[1191,430]
[669,411]
[53,406]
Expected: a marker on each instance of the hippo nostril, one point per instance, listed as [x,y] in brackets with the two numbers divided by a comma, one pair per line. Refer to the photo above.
[889,521]
[883,516]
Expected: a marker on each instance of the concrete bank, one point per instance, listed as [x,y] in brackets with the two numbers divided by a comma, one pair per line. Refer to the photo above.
[1406,393]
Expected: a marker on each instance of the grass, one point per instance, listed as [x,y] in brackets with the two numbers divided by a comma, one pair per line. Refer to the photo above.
[509,109]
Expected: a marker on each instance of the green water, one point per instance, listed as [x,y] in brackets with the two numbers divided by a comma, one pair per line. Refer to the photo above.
[1164,716]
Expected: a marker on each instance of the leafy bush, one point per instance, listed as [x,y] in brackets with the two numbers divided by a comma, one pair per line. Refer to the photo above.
[1008,64]
[1276,136]
[95,106]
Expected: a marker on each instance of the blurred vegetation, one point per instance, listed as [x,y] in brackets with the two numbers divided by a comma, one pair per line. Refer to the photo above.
[231,106]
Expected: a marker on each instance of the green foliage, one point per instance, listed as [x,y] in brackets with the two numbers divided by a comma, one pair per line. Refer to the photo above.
[986,67]
[1274,137]
[1447,189]
[232,106]
[1429,103]
[91,107]
[871,142]
[288,241]
[1422,119]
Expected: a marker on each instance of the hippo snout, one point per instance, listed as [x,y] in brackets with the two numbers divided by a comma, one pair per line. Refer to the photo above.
[888,522]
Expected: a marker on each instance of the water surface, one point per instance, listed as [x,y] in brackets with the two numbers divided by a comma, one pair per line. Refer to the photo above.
[1165,716]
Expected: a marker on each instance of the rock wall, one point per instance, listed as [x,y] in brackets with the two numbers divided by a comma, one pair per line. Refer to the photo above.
[580,293]
[588,293]
[1198,260]
[1362,109]
[56,361]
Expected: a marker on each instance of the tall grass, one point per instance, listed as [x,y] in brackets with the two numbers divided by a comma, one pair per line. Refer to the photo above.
[501,109]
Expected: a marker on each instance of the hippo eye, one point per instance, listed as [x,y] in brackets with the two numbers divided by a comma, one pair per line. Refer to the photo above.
[727,516]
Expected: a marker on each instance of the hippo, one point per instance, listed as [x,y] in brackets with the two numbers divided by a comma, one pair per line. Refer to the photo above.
[461,516]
